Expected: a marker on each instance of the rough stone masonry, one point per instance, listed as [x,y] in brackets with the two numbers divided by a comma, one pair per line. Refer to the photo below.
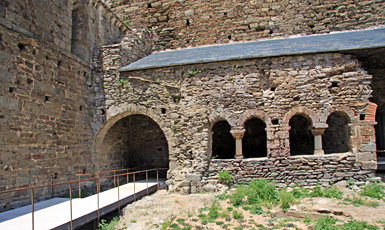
[299,118]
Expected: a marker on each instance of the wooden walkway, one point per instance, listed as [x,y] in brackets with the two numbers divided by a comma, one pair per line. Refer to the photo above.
[56,213]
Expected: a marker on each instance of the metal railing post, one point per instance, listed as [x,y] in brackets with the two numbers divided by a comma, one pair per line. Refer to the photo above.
[33,209]
[53,182]
[127,176]
[114,180]
[71,205]
[147,181]
[79,187]
[98,190]
[134,187]
[118,197]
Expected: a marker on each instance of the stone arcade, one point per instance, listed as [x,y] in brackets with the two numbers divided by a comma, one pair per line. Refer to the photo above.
[79,95]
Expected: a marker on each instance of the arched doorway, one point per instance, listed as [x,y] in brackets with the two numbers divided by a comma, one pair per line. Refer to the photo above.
[223,146]
[301,138]
[336,137]
[135,141]
[254,142]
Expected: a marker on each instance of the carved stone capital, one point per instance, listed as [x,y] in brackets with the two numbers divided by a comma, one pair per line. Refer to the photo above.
[238,133]
[317,131]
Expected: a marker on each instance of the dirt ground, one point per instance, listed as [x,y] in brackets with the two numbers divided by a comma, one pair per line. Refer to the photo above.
[152,211]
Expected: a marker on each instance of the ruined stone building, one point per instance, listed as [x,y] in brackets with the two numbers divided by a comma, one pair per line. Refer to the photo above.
[259,92]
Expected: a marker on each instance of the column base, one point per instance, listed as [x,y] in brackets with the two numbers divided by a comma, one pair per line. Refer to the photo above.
[319,152]
[239,157]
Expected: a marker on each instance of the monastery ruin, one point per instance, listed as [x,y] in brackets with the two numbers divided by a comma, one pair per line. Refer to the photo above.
[291,91]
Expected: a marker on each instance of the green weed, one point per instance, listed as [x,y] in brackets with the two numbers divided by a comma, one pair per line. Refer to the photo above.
[193,72]
[225,178]
[374,190]
[237,215]
[108,226]
[331,192]
[286,199]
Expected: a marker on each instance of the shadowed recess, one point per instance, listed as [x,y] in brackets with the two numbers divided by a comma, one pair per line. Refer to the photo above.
[254,142]
[223,142]
[301,138]
[336,137]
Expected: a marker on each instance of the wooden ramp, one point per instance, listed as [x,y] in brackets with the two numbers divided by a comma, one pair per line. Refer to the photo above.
[56,213]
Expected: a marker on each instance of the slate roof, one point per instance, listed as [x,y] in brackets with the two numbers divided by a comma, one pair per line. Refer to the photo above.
[343,41]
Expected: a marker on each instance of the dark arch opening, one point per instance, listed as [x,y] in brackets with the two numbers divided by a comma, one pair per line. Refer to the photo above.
[136,141]
[223,145]
[380,128]
[301,138]
[254,142]
[336,137]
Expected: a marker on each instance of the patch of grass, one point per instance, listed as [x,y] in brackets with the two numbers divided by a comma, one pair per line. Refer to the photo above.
[374,190]
[219,223]
[237,215]
[256,210]
[325,223]
[180,221]
[286,199]
[352,225]
[328,223]
[331,192]
[133,221]
[300,192]
[358,201]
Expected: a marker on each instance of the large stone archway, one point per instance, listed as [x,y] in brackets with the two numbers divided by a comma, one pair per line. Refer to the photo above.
[132,137]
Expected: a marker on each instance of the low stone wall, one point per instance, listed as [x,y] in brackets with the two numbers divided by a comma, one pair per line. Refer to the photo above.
[291,171]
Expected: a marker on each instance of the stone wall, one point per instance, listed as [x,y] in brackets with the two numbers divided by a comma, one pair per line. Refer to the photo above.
[77,25]
[48,99]
[307,171]
[182,23]
[187,101]
[45,120]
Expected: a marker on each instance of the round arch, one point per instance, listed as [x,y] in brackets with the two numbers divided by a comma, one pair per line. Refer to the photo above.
[311,115]
[118,148]
[117,112]
[254,113]
[344,111]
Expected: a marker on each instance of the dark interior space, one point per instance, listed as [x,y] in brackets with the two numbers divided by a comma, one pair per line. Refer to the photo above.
[223,146]
[336,137]
[254,141]
[136,141]
[301,138]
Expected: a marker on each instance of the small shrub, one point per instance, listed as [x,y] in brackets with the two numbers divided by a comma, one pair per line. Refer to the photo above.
[286,199]
[256,210]
[237,215]
[225,178]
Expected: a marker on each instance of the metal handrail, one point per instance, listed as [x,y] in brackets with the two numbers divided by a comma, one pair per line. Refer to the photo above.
[98,189]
